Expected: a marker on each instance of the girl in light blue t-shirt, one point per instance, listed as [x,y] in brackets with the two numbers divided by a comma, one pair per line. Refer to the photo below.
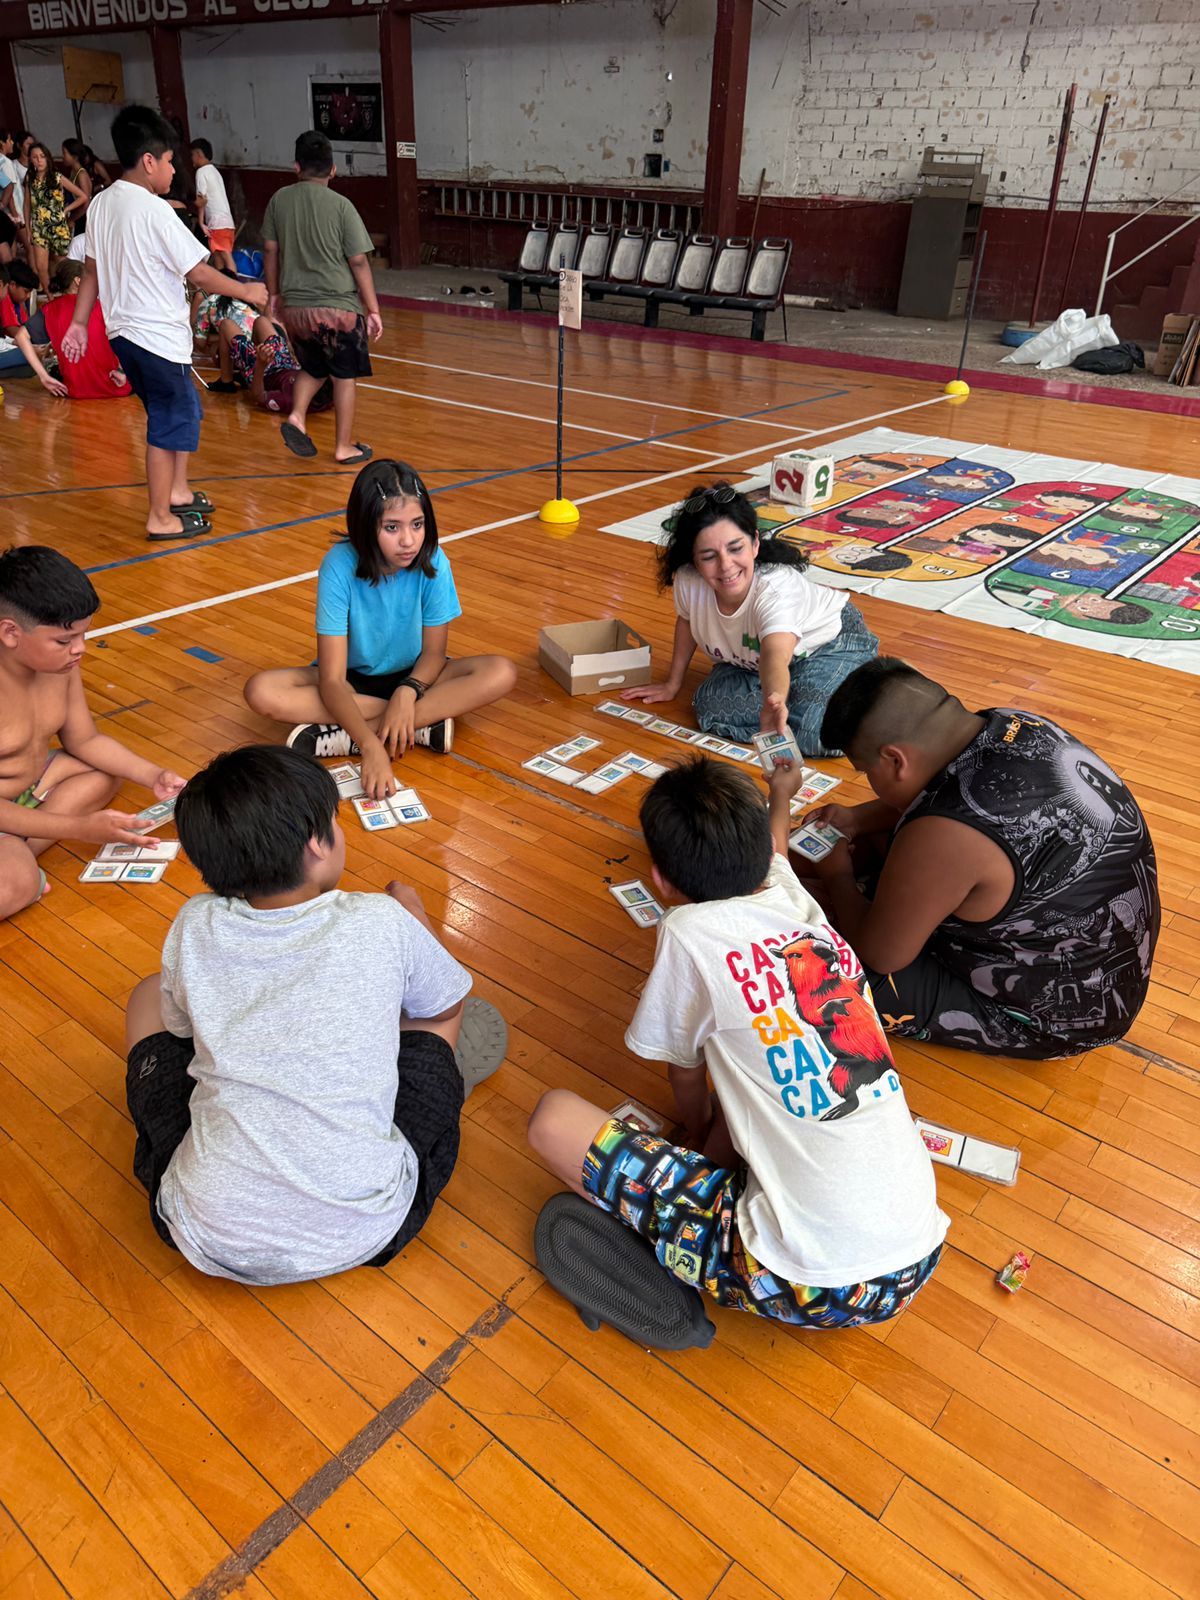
[385,600]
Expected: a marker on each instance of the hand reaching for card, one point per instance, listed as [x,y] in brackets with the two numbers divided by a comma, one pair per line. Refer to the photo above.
[840,817]
[378,779]
[112,827]
[167,784]
[774,718]
[651,694]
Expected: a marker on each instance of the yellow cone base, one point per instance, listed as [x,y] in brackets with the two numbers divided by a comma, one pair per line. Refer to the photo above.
[557,511]
[958,388]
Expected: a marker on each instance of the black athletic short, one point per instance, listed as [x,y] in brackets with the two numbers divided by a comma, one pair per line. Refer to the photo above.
[429,1098]
[383,687]
[925,1000]
[8,233]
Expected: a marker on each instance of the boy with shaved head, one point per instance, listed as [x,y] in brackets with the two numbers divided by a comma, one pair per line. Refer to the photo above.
[1016,909]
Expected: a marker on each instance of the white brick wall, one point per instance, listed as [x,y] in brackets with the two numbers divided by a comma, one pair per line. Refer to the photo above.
[843,97]
[952,75]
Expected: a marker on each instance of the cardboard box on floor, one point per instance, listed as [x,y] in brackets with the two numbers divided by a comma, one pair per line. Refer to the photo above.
[1174,331]
[586,657]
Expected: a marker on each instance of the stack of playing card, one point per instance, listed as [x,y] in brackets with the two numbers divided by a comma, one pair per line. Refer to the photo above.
[635,899]
[161,811]
[675,730]
[814,840]
[348,779]
[131,863]
[777,750]
[398,809]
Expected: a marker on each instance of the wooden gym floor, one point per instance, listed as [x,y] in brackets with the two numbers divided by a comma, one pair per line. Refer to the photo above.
[447,1427]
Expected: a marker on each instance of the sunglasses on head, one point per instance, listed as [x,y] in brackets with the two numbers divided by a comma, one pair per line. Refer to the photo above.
[720,496]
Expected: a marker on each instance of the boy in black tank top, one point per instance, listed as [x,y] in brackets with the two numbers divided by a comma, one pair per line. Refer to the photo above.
[1016,910]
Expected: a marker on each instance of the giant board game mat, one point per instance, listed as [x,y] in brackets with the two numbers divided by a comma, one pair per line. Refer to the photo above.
[1102,556]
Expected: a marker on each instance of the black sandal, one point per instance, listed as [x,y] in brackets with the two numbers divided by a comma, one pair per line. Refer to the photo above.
[193,522]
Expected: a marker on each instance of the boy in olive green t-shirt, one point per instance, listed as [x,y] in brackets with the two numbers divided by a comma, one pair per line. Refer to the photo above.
[315,261]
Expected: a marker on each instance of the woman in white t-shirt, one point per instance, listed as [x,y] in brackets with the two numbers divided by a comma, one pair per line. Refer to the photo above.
[780,643]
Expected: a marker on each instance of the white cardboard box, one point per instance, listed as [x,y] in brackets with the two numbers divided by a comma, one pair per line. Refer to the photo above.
[585,657]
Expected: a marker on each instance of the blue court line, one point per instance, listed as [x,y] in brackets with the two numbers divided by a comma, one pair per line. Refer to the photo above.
[201,654]
[472,483]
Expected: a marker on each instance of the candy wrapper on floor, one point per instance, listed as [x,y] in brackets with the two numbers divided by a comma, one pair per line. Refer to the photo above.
[1013,1274]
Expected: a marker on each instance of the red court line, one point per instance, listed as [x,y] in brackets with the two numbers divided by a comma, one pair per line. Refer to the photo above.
[925,371]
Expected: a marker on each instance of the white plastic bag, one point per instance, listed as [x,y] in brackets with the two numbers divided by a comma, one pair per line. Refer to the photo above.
[1059,344]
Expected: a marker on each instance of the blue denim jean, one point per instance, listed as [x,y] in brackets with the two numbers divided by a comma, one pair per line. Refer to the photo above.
[729,701]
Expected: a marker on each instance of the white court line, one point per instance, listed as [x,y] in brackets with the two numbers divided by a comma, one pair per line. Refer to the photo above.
[599,394]
[852,424]
[523,416]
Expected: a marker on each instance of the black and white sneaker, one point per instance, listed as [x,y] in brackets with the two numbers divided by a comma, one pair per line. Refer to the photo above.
[437,736]
[322,739]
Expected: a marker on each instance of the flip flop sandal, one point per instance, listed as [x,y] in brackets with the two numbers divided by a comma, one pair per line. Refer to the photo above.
[194,524]
[199,502]
[482,1041]
[297,442]
[611,1274]
[364,454]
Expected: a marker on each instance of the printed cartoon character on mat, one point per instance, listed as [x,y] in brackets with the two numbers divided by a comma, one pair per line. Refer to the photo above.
[843,1017]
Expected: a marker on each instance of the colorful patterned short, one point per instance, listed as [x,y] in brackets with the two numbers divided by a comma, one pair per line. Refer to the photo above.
[329,343]
[687,1209]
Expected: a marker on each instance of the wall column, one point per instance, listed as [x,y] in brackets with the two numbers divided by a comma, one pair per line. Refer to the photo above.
[11,114]
[399,127]
[169,84]
[726,114]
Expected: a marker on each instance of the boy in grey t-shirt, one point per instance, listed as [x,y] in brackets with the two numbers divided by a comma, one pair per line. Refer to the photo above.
[292,1075]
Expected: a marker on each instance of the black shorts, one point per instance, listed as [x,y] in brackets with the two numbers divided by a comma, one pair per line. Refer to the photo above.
[382,687]
[429,1098]
[8,233]
[925,1000]
[329,344]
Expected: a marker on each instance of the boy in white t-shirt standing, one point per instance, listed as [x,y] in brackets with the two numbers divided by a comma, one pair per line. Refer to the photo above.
[805,1193]
[216,214]
[139,255]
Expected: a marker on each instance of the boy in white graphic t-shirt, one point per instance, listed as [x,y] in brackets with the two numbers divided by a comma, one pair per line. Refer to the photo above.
[139,255]
[805,1192]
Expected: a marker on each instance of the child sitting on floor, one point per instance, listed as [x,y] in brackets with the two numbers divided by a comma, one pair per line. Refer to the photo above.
[262,362]
[98,375]
[50,793]
[385,601]
[813,1200]
[292,1076]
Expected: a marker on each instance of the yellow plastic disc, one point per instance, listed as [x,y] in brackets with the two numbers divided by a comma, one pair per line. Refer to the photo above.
[559,511]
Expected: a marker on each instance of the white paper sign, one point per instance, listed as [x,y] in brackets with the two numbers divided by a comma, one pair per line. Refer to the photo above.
[570,297]
[405,151]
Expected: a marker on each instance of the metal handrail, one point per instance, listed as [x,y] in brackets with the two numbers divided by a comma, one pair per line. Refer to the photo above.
[1106,276]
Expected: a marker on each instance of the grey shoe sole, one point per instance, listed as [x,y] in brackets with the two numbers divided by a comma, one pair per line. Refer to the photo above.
[482,1041]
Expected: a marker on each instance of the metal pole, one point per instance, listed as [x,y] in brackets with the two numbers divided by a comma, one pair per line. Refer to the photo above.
[1064,136]
[558,449]
[1083,204]
[962,354]
[1104,274]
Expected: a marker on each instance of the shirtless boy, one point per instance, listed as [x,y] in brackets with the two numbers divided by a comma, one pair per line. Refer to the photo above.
[49,793]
